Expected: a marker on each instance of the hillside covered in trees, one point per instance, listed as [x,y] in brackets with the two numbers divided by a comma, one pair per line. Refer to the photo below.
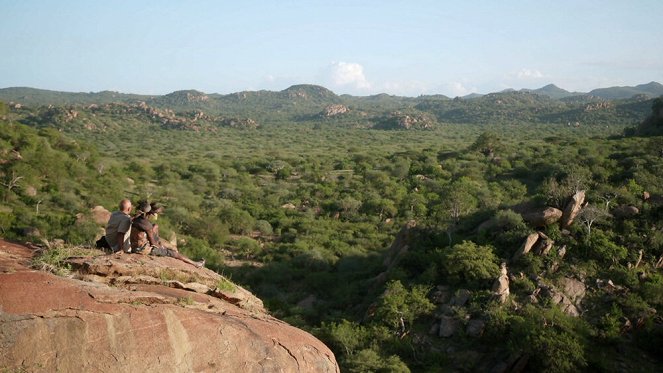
[509,232]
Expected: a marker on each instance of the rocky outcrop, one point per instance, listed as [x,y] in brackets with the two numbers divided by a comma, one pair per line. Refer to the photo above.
[501,285]
[537,242]
[98,214]
[573,208]
[51,323]
[568,295]
[334,110]
[541,218]
[399,120]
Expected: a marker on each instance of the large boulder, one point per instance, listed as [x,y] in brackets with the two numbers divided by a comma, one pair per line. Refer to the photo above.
[543,245]
[501,284]
[573,208]
[542,217]
[625,211]
[526,246]
[50,323]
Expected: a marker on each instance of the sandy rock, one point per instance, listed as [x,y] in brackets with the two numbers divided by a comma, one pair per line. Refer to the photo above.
[68,325]
[334,110]
[526,246]
[123,269]
[573,288]
[100,215]
[543,245]
[573,208]
[540,218]
[501,284]
[30,191]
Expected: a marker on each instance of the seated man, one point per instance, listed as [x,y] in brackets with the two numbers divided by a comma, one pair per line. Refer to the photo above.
[143,239]
[118,228]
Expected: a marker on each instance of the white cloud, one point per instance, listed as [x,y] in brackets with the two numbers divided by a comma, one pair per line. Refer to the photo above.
[529,74]
[454,89]
[348,75]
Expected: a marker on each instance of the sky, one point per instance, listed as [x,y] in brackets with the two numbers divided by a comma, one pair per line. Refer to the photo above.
[405,48]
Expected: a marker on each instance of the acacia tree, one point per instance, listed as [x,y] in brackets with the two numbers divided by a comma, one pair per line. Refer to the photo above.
[488,143]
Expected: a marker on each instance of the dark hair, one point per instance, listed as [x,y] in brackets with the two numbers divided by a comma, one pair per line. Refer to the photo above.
[143,206]
[156,208]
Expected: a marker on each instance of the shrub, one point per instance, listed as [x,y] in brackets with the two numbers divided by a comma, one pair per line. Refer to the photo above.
[467,262]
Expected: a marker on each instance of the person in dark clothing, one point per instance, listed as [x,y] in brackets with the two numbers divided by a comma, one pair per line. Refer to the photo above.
[145,241]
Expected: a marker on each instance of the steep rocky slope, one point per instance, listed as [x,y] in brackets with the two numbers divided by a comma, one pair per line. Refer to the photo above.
[131,313]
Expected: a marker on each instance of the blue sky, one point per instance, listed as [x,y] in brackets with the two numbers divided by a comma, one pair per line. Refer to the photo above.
[357,47]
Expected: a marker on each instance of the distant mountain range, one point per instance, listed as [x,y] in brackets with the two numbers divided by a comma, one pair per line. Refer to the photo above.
[316,104]
[34,96]
[651,89]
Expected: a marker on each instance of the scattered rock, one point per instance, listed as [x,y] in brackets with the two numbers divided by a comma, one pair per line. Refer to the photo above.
[573,288]
[30,191]
[541,218]
[441,294]
[573,208]
[461,297]
[501,285]
[527,245]
[561,252]
[625,211]
[448,326]
[543,245]
[475,328]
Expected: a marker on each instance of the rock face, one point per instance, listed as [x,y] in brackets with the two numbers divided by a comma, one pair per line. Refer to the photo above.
[402,121]
[334,110]
[141,324]
[573,208]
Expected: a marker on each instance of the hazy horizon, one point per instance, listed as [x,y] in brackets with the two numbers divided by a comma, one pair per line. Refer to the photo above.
[393,47]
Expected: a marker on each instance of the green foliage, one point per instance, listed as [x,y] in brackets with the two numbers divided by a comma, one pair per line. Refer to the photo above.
[197,248]
[347,336]
[552,339]
[399,307]
[470,263]
[312,206]
[368,361]
[54,259]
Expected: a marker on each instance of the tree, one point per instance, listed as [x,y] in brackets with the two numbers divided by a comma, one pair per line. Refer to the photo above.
[399,307]
[10,183]
[471,263]
[591,214]
[488,143]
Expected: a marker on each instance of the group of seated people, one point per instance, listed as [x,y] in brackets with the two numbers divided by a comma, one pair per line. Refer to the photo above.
[137,234]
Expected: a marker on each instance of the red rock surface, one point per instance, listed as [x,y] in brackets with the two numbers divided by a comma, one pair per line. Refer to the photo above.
[50,323]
